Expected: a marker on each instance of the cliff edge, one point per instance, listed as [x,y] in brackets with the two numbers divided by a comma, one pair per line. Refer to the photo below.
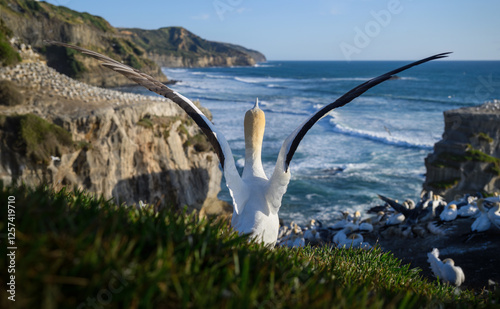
[124,146]
[467,159]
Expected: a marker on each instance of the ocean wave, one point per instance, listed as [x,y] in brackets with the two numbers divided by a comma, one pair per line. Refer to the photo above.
[260,65]
[379,137]
[444,101]
[260,80]
[336,79]
[276,86]
[174,70]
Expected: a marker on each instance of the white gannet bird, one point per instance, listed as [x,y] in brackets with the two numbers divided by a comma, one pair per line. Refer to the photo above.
[445,270]
[483,222]
[396,219]
[468,210]
[256,198]
[494,215]
[449,213]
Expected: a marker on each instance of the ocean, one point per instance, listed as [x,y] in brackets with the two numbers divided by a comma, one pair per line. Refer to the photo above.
[374,145]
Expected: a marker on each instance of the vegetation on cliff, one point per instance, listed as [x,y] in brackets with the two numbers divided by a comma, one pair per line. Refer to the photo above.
[34,137]
[10,94]
[179,43]
[82,249]
[8,55]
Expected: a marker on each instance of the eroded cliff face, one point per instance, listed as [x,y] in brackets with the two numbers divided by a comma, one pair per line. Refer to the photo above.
[127,147]
[467,159]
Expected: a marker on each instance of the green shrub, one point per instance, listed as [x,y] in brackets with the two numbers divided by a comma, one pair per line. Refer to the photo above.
[134,62]
[9,94]
[445,184]
[34,137]
[65,61]
[8,55]
[146,122]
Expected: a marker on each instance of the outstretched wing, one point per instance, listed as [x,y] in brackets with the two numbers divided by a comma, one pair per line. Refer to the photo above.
[292,142]
[215,138]
[396,206]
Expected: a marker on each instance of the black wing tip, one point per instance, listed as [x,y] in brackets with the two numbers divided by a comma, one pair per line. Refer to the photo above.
[441,55]
[382,197]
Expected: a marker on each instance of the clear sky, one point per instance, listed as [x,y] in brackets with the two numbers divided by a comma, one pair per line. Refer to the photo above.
[322,29]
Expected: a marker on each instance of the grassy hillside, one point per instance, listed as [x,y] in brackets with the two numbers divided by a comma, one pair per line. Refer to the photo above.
[77,250]
[34,22]
[34,9]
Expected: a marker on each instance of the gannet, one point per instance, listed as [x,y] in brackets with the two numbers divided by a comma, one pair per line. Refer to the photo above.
[449,213]
[256,198]
[494,215]
[468,210]
[483,222]
[341,223]
[445,270]
[396,219]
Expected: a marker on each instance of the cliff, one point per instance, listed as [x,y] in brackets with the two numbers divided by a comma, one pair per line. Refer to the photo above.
[32,22]
[467,159]
[125,146]
[177,47]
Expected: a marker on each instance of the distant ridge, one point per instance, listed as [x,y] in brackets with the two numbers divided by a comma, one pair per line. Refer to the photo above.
[178,47]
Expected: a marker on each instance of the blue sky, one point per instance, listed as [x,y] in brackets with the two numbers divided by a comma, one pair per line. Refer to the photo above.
[322,29]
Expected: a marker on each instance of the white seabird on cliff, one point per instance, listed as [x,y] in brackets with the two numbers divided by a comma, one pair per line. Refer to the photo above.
[483,222]
[256,198]
[494,215]
[449,213]
[445,270]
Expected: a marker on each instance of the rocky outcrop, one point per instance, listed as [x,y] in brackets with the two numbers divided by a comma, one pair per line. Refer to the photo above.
[467,159]
[177,47]
[128,147]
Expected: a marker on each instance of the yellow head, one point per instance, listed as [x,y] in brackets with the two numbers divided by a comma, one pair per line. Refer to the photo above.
[255,123]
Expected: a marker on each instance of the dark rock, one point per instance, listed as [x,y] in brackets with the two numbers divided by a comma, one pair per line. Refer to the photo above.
[467,159]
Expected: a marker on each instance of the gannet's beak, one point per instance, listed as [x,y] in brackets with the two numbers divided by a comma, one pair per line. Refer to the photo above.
[256,106]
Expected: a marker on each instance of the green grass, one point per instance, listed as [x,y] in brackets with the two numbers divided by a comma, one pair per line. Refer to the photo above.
[35,137]
[146,122]
[73,248]
[485,137]
[8,55]
[470,154]
[479,156]
[445,184]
